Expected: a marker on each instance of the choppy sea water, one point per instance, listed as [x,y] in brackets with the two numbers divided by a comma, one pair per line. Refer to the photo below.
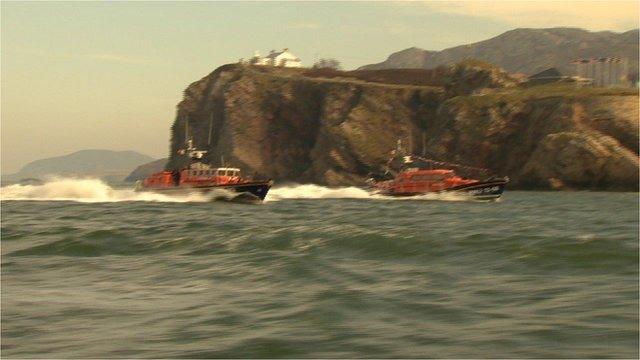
[90,271]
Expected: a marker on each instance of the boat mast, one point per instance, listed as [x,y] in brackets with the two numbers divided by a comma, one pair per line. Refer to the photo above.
[210,130]
[186,130]
[191,151]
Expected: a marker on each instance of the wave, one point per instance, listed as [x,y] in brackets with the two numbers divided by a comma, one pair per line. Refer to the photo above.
[311,191]
[94,190]
[86,190]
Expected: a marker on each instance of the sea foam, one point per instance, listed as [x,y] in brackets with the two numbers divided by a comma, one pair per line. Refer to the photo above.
[94,190]
[85,190]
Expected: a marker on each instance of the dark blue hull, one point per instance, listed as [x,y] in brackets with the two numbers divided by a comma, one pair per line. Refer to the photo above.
[482,190]
[246,191]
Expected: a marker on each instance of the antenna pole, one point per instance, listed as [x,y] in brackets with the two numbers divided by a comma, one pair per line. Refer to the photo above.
[210,128]
[186,129]
[424,143]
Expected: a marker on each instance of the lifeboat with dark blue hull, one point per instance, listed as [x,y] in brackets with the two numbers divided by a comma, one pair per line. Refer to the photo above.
[250,190]
[414,182]
[222,183]
[418,176]
[482,190]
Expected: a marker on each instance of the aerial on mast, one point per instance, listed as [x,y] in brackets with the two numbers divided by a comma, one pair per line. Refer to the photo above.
[210,129]
[186,129]
[190,149]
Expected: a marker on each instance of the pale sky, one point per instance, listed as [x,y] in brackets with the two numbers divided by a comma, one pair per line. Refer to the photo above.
[108,75]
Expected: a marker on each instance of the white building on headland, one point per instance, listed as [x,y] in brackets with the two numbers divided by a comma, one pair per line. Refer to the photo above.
[282,58]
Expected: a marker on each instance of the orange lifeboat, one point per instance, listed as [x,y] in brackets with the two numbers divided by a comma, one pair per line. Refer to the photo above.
[435,177]
[202,178]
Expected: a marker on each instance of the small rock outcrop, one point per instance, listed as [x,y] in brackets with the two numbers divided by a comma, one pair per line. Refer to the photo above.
[147,169]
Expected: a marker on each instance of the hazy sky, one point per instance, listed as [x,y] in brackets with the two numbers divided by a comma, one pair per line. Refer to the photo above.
[108,75]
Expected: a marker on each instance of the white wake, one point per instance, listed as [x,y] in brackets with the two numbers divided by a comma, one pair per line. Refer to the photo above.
[310,191]
[96,191]
[86,190]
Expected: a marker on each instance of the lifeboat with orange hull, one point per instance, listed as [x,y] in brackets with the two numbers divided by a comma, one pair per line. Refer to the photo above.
[414,181]
[225,183]
[409,175]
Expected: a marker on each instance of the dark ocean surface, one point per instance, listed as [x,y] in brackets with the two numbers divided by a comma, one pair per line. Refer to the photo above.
[94,272]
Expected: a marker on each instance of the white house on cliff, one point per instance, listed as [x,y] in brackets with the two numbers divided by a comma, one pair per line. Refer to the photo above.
[282,58]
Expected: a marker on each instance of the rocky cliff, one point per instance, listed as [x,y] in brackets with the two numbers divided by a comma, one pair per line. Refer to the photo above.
[304,126]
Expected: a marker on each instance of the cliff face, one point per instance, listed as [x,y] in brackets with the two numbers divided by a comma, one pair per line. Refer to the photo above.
[548,142]
[287,125]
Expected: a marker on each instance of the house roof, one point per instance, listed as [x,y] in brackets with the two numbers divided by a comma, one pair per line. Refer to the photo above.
[549,73]
[274,54]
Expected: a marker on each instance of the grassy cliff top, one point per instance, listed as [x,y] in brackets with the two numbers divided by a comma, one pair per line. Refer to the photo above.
[438,78]
[554,90]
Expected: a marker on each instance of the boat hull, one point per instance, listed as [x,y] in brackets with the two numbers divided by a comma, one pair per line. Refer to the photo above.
[249,191]
[481,190]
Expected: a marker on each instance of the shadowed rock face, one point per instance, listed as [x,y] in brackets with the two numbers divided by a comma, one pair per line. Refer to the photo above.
[554,142]
[335,131]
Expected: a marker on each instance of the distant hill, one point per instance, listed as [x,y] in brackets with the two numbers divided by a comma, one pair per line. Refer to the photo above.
[105,164]
[526,51]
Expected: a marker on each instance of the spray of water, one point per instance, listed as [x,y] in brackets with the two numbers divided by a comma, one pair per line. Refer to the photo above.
[310,191]
[85,190]
[94,190]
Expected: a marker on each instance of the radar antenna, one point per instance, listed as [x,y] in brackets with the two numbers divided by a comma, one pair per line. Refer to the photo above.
[210,130]
[190,149]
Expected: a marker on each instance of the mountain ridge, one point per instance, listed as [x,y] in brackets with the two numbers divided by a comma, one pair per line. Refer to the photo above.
[103,163]
[525,50]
